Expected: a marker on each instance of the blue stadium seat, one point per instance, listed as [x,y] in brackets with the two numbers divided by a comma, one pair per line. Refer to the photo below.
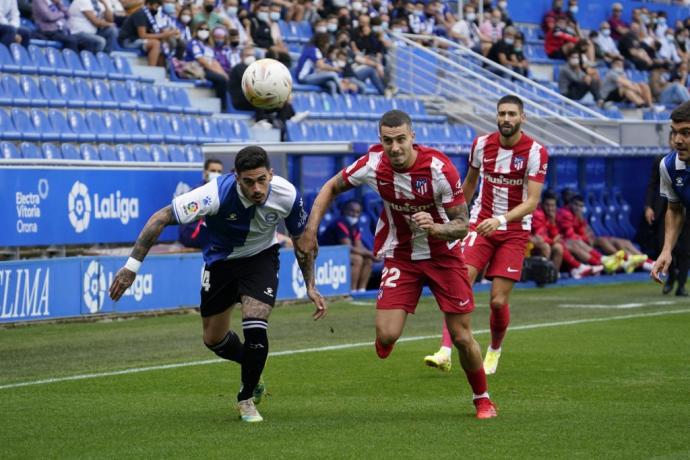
[73,62]
[12,93]
[176,154]
[141,153]
[97,126]
[50,92]
[122,65]
[59,124]
[6,62]
[166,97]
[75,120]
[42,125]
[31,91]
[57,62]
[181,128]
[130,126]
[123,153]
[208,129]
[148,127]
[162,122]
[21,58]
[182,99]
[149,99]
[159,154]
[30,150]
[91,65]
[233,130]
[297,132]
[40,61]
[8,151]
[108,66]
[242,128]
[69,92]
[107,152]
[103,98]
[193,153]
[122,96]
[51,151]
[70,152]
[22,122]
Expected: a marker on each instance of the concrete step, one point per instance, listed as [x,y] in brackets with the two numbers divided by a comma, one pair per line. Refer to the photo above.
[158,74]
[210,104]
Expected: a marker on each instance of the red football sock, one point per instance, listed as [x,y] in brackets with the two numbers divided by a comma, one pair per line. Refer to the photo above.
[569,259]
[477,379]
[445,337]
[594,257]
[498,323]
[383,350]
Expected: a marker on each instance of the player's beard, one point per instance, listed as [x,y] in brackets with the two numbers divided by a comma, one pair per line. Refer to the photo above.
[507,130]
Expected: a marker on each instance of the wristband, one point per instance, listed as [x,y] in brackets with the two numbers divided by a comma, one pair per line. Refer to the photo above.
[133,264]
[502,220]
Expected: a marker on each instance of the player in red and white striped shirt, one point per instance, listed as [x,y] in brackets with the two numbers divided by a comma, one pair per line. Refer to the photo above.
[512,167]
[418,235]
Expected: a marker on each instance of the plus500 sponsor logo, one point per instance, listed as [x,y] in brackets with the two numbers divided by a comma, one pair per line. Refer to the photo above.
[327,274]
[111,206]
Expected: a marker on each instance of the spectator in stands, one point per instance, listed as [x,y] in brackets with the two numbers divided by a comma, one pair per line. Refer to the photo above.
[195,234]
[10,29]
[262,34]
[492,30]
[607,46]
[369,49]
[660,26]
[667,51]
[337,58]
[503,52]
[279,48]
[618,26]
[668,88]
[574,82]
[558,43]
[346,230]
[50,17]
[682,43]
[235,51]
[208,15]
[520,62]
[167,20]
[231,14]
[572,25]
[465,30]
[184,19]
[199,50]
[553,15]
[502,6]
[363,67]
[220,43]
[548,241]
[141,31]
[92,23]
[119,12]
[618,88]
[634,50]
[313,70]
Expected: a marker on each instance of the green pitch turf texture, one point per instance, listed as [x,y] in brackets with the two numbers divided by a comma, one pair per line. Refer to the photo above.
[586,372]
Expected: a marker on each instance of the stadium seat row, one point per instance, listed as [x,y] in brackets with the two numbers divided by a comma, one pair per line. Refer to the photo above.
[102,152]
[35,60]
[26,91]
[109,126]
[358,107]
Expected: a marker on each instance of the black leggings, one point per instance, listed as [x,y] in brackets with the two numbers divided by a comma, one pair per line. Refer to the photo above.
[220,84]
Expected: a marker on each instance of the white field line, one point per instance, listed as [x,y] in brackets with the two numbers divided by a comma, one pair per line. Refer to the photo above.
[332,348]
[620,306]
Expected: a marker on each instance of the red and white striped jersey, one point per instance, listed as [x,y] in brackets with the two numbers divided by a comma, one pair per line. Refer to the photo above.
[504,175]
[432,184]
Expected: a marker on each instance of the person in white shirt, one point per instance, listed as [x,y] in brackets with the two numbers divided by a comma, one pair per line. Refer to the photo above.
[10,31]
[605,42]
[93,22]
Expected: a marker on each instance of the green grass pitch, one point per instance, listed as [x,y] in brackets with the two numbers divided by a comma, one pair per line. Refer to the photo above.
[586,372]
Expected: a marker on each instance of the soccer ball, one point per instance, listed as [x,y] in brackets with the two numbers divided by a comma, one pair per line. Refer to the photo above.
[267,84]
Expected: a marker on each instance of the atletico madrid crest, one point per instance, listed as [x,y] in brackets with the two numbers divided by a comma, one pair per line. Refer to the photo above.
[421,185]
[518,162]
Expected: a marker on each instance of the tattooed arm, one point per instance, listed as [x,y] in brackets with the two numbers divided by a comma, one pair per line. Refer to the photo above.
[305,260]
[454,229]
[147,238]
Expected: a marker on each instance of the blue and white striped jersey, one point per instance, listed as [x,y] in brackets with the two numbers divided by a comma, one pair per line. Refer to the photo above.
[237,227]
[675,179]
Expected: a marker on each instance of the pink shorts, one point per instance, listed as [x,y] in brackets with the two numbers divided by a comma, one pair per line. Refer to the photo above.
[402,282]
[502,251]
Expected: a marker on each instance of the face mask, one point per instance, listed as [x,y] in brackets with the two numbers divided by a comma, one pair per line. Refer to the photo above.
[384,25]
[357,6]
[518,49]
[376,29]
[168,8]
[249,60]
[262,16]
[494,21]
[509,41]
[574,9]
[213,175]
[503,5]
[574,62]
[344,43]
[275,15]
[470,16]
[332,27]
[203,34]
[232,11]
[342,63]
[319,29]
[419,13]
[661,21]
[670,38]
[352,220]
[235,44]
[606,32]
[185,18]
[208,8]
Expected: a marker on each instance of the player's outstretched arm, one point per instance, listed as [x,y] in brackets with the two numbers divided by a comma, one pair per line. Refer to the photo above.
[673,222]
[306,264]
[454,229]
[147,238]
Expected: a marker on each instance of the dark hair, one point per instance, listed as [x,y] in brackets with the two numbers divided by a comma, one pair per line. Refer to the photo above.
[210,161]
[548,195]
[395,118]
[154,2]
[681,114]
[251,157]
[511,99]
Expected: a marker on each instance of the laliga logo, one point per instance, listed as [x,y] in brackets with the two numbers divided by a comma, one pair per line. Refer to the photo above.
[327,274]
[79,205]
[94,287]
[113,206]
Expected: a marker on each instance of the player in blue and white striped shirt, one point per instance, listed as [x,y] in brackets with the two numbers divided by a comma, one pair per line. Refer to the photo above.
[241,212]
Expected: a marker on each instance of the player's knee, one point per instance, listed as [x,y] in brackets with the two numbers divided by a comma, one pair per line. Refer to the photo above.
[462,338]
[498,301]
[557,248]
[356,260]
[211,338]
[387,336]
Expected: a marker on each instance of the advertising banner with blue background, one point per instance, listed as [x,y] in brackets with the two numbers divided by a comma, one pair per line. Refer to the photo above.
[83,206]
[72,287]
